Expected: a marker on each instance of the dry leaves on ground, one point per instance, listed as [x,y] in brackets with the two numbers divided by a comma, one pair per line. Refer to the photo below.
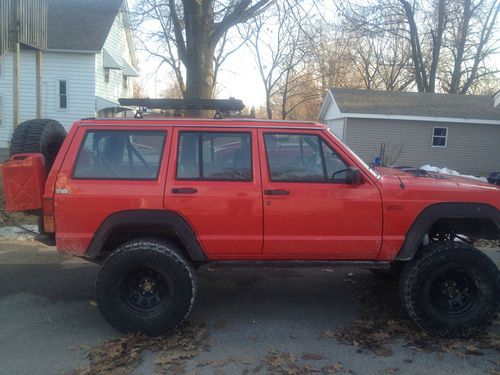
[383,323]
[122,355]
[487,243]
[278,362]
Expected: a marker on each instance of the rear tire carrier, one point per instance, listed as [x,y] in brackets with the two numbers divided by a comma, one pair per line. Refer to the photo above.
[43,136]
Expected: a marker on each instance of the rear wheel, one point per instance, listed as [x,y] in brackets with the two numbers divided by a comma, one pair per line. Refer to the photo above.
[451,289]
[146,286]
[41,135]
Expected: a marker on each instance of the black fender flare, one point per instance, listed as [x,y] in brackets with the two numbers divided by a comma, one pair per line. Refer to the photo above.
[131,218]
[437,211]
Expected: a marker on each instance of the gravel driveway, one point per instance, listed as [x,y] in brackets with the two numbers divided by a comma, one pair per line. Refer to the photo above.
[244,322]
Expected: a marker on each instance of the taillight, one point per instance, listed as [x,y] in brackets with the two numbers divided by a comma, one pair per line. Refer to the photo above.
[48,215]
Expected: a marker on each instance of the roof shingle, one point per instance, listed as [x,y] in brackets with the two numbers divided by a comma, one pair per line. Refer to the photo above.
[415,104]
[80,25]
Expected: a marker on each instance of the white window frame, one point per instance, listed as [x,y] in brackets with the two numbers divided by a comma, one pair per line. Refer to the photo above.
[58,95]
[440,136]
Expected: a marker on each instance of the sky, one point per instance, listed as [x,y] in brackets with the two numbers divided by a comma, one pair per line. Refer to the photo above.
[238,78]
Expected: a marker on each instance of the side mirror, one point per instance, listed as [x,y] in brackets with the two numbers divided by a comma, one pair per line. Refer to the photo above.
[353,176]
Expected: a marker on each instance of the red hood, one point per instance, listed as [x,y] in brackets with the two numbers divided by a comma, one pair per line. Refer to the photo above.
[434,177]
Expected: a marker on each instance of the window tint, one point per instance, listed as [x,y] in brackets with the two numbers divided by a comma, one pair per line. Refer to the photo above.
[302,157]
[120,155]
[439,136]
[214,156]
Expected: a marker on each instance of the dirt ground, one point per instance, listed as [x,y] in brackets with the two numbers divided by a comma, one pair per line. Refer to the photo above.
[309,321]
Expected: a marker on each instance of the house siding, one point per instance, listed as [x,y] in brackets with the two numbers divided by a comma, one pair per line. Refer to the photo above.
[337,127]
[6,94]
[117,45]
[471,148]
[76,68]
[78,71]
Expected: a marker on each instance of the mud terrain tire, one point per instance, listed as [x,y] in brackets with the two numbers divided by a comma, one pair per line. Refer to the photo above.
[41,135]
[146,286]
[451,289]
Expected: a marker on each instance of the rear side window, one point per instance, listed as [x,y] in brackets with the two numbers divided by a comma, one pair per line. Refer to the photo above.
[214,156]
[120,155]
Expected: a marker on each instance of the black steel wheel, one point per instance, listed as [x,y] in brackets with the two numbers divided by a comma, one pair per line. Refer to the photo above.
[451,289]
[146,286]
[145,290]
[454,292]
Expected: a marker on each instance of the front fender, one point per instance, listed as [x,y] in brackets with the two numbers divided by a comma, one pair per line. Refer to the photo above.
[433,213]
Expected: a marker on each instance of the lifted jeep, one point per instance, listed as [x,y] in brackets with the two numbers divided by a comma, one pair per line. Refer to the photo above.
[153,200]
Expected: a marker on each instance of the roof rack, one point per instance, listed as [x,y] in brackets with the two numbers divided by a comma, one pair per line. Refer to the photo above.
[222,105]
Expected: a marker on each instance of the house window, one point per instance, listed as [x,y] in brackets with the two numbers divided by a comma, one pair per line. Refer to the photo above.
[63,94]
[125,82]
[1,111]
[106,75]
[439,137]
[214,156]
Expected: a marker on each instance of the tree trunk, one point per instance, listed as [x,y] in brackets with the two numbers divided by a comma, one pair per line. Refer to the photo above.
[200,51]
[437,41]
[459,55]
[269,108]
[416,51]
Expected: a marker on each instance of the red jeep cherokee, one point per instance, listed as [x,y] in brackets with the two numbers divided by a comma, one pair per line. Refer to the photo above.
[153,200]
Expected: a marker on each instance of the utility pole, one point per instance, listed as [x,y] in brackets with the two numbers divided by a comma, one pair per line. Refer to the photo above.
[24,23]
[16,52]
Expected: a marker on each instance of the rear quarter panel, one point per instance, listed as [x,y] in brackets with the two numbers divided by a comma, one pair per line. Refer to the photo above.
[81,205]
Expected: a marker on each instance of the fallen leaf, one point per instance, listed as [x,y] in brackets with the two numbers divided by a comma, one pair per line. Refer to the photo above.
[306,356]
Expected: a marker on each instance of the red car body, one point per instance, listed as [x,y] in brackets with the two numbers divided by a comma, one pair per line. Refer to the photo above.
[237,220]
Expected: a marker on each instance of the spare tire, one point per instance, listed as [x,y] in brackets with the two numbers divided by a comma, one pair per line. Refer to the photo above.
[41,135]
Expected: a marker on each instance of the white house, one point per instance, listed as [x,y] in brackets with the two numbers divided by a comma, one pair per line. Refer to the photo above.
[89,63]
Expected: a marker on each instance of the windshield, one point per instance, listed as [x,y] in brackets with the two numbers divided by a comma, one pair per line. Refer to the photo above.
[372,171]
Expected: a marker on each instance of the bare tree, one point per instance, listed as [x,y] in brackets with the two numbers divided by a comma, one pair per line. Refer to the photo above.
[383,62]
[186,35]
[450,41]
[470,44]
[280,43]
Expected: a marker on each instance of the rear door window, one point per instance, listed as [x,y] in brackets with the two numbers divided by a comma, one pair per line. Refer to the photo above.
[120,155]
[214,156]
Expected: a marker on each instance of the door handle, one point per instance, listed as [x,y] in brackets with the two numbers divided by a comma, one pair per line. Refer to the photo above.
[276,192]
[187,190]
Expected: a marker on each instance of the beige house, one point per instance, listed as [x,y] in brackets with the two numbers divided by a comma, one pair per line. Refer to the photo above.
[461,132]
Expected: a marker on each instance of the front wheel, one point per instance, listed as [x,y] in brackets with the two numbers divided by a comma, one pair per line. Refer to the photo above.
[451,289]
[146,286]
